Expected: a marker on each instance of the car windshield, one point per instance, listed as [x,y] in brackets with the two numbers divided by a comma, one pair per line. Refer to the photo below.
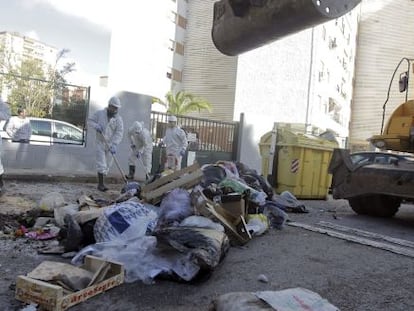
[380,158]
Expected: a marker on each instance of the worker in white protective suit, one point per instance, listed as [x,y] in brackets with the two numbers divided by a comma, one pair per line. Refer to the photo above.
[4,115]
[19,128]
[176,143]
[109,131]
[141,148]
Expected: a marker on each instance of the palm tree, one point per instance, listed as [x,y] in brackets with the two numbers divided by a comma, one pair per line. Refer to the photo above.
[182,103]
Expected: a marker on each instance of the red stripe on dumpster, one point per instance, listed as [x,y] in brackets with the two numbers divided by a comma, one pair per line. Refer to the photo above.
[294,166]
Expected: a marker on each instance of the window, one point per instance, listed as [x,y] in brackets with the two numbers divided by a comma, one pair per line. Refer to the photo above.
[181,21]
[321,71]
[177,75]
[332,43]
[67,132]
[176,47]
[179,48]
[42,128]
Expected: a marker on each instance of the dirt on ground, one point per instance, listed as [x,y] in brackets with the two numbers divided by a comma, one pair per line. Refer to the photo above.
[351,276]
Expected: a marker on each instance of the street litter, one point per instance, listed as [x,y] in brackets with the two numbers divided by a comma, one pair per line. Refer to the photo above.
[57,286]
[292,299]
[177,227]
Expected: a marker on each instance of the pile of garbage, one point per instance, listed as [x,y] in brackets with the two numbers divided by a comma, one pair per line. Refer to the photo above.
[179,226]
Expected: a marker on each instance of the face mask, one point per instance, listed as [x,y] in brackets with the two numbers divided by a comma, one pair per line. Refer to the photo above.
[110,114]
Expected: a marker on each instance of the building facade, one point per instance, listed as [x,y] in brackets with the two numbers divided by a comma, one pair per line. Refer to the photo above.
[385,37]
[147,48]
[303,78]
[15,48]
[18,48]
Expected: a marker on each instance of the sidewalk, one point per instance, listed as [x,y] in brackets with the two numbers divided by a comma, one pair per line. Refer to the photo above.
[56,176]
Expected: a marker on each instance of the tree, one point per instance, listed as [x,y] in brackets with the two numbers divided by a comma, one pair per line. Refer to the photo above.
[31,93]
[34,84]
[182,103]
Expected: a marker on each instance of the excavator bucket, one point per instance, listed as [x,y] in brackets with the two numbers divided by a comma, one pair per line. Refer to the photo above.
[242,25]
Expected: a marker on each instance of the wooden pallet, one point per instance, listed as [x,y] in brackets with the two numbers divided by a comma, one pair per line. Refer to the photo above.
[185,178]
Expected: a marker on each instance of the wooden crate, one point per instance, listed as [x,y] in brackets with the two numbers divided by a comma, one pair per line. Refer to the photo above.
[185,178]
[235,227]
[55,298]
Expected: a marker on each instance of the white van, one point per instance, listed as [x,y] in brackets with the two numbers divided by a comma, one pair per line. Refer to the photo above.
[50,132]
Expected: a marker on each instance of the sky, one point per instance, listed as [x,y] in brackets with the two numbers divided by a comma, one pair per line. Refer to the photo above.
[83,27]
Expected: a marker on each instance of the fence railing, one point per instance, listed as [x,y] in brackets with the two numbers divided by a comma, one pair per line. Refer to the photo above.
[202,134]
[52,102]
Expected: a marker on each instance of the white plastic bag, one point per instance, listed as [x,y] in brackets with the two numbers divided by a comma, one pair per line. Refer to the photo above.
[60,212]
[174,208]
[201,222]
[124,221]
[51,201]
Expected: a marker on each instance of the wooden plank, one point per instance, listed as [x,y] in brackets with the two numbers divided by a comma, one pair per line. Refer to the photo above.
[100,273]
[366,234]
[385,246]
[185,181]
[238,234]
[166,179]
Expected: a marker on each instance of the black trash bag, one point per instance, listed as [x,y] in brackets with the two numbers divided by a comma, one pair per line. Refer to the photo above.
[257,182]
[244,169]
[212,174]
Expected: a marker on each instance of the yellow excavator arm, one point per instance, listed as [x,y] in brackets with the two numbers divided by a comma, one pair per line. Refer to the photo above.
[243,25]
[398,133]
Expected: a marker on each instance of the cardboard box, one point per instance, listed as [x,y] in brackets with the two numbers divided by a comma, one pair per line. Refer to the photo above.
[235,209]
[234,227]
[106,275]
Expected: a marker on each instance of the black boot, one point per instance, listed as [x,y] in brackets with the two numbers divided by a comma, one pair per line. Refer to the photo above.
[101,186]
[131,172]
[1,185]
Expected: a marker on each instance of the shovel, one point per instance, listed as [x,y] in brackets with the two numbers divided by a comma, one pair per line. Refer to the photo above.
[116,161]
[147,176]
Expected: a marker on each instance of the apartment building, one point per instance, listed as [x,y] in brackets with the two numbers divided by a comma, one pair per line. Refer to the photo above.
[385,37]
[17,48]
[147,48]
[305,78]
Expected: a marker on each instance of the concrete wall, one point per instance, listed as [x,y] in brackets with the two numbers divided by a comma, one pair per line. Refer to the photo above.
[80,159]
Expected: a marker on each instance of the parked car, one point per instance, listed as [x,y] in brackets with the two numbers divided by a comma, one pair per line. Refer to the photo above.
[49,132]
[368,157]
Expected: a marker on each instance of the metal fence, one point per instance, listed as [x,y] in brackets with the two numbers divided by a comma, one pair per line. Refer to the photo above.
[204,135]
[53,103]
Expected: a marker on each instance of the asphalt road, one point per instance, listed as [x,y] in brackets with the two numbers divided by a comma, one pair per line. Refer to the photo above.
[352,276]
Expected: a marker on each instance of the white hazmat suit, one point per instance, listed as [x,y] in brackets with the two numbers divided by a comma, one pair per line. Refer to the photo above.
[141,148]
[108,124]
[176,143]
[4,115]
